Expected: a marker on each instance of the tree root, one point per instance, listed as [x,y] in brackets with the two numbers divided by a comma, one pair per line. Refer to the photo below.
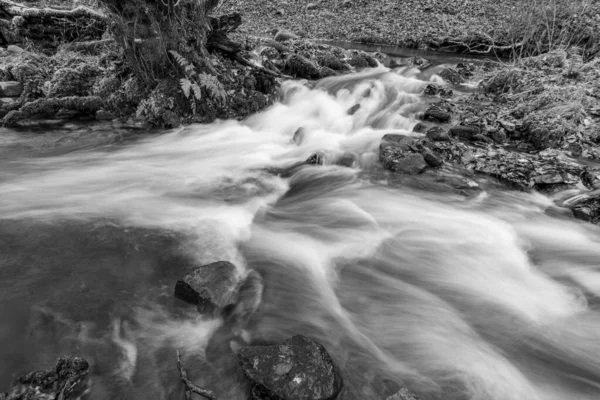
[190,387]
[475,44]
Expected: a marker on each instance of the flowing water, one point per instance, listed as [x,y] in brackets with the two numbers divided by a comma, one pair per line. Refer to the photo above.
[456,290]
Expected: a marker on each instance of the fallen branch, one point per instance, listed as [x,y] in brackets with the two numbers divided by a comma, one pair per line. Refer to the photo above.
[189,385]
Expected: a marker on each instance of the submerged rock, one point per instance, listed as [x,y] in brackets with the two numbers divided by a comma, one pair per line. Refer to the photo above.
[67,380]
[404,394]
[297,369]
[211,287]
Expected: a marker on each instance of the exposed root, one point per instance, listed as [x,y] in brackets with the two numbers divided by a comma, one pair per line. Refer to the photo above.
[190,387]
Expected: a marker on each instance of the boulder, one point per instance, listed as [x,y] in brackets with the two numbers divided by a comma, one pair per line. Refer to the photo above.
[465,132]
[432,159]
[300,67]
[11,89]
[451,75]
[211,288]
[420,62]
[419,127]
[411,164]
[436,114]
[283,35]
[404,394]
[437,134]
[67,380]
[296,369]
[398,153]
[435,90]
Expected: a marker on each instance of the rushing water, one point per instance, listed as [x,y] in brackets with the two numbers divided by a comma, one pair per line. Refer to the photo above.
[457,292]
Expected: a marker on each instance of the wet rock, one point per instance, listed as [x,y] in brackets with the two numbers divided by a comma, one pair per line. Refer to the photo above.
[436,114]
[451,75]
[347,3]
[283,35]
[583,213]
[103,115]
[420,62]
[211,287]
[280,12]
[315,159]
[431,158]
[419,127]
[363,60]
[409,164]
[498,136]
[326,72]
[67,380]
[15,49]
[352,110]
[404,394]
[11,89]
[330,61]
[299,135]
[248,299]
[296,369]
[437,134]
[399,153]
[300,67]
[482,138]
[311,6]
[435,90]
[346,160]
[465,132]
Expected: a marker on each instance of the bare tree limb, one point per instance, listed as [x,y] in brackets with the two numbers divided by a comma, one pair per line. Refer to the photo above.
[191,387]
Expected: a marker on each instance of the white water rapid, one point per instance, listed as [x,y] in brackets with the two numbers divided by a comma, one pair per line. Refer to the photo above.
[457,294]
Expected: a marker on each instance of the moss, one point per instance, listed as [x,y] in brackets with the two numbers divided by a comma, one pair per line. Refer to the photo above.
[51,106]
[72,81]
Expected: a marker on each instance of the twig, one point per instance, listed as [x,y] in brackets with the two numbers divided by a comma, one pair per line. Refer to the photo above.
[189,386]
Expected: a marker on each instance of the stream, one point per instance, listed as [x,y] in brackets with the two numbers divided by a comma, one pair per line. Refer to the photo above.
[449,284]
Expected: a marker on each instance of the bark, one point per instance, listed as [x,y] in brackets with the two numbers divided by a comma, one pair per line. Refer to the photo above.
[48,25]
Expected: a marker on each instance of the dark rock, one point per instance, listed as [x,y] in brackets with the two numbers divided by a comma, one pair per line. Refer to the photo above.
[420,62]
[249,298]
[283,35]
[363,60]
[326,72]
[434,90]
[404,394]
[315,159]
[352,110]
[346,160]
[68,380]
[311,6]
[498,136]
[330,61]
[299,135]
[297,369]
[436,114]
[300,67]
[583,213]
[419,127]
[412,164]
[465,70]
[103,115]
[465,132]
[481,138]
[211,287]
[451,75]
[11,89]
[432,159]
[437,134]
[280,12]
[403,142]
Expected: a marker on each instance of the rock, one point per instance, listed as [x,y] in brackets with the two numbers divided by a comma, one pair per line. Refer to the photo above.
[498,136]
[249,298]
[363,60]
[346,160]
[300,67]
[15,49]
[419,127]
[347,3]
[280,12]
[410,164]
[451,75]
[103,115]
[481,138]
[402,142]
[67,380]
[11,89]
[330,61]
[465,132]
[583,213]
[283,35]
[352,110]
[437,134]
[404,394]
[325,72]
[315,159]
[311,6]
[432,159]
[297,369]
[434,90]
[436,114]
[299,135]
[420,62]
[7,101]
[211,287]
